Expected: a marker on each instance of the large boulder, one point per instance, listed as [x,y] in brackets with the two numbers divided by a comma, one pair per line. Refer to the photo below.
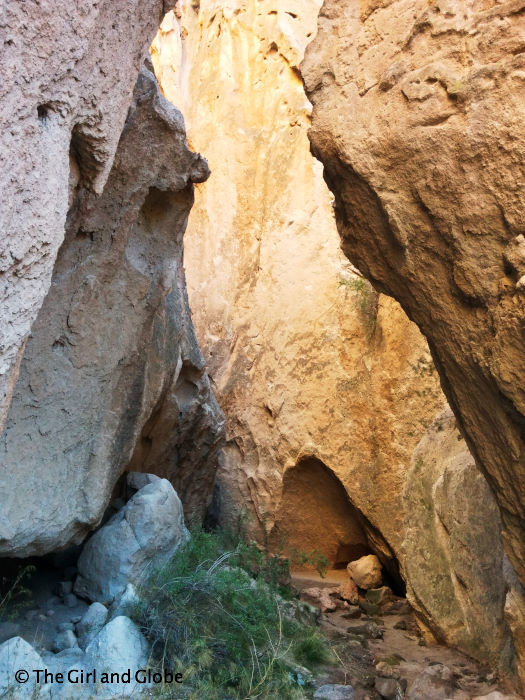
[143,535]
[453,553]
[67,81]
[17,655]
[112,377]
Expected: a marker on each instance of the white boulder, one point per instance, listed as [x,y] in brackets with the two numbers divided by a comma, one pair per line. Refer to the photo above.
[143,535]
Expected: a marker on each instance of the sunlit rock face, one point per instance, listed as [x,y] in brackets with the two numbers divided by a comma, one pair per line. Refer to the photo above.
[305,359]
[418,119]
[68,72]
[112,378]
[323,382]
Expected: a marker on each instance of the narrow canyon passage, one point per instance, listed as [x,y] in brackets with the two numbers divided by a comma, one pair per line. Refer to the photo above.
[304,356]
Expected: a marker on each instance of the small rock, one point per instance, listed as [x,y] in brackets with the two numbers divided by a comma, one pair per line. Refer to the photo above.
[66,627]
[352,613]
[370,609]
[320,597]
[65,640]
[401,625]
[366,572]
[373,631]
[91,623]
[386,670]
[52,602]
[370,630]
[389,688]
[434,682]
[63,588]
[334,692]
[50,613]
[348,591]
[401,607]
[380,596]
[70,600]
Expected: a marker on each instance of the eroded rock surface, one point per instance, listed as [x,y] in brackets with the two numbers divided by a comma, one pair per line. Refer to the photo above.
[453,551]
[327,386]
[68,73]
[142,536]
[418,118]
[112,377]
[320,379]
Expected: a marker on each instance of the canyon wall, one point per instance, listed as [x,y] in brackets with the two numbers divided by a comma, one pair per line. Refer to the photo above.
[418,119]
[327,386]
[112,378]
[68,73]
[306,360]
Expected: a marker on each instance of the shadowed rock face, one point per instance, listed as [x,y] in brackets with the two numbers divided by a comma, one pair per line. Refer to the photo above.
[68,71]
[418,119]
[452,542]
[112,376]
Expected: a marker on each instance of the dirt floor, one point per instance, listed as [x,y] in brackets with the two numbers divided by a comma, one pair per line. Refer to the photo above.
[383,648]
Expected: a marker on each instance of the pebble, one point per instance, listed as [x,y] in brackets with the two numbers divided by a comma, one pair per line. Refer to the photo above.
[70,600]
[66,627]
[64,588]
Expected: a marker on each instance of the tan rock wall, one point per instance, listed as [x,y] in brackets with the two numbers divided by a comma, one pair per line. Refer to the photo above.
[323,382]
[305,359]
[418,119]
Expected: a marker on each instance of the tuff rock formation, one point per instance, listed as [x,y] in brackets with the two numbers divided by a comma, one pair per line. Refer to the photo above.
[418,119]
[112,377]
[68,72]
[327,387]
[314,372]
[452,542]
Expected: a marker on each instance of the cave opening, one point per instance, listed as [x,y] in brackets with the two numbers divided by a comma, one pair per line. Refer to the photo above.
[316,515]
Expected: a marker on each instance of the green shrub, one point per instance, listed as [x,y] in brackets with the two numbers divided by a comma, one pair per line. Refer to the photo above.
[216,614]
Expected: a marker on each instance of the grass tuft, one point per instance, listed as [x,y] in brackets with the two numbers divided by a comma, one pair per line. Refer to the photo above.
[216,613]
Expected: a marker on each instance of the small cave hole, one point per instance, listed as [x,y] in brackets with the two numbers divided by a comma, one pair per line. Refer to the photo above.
[43,111]
[316,515]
